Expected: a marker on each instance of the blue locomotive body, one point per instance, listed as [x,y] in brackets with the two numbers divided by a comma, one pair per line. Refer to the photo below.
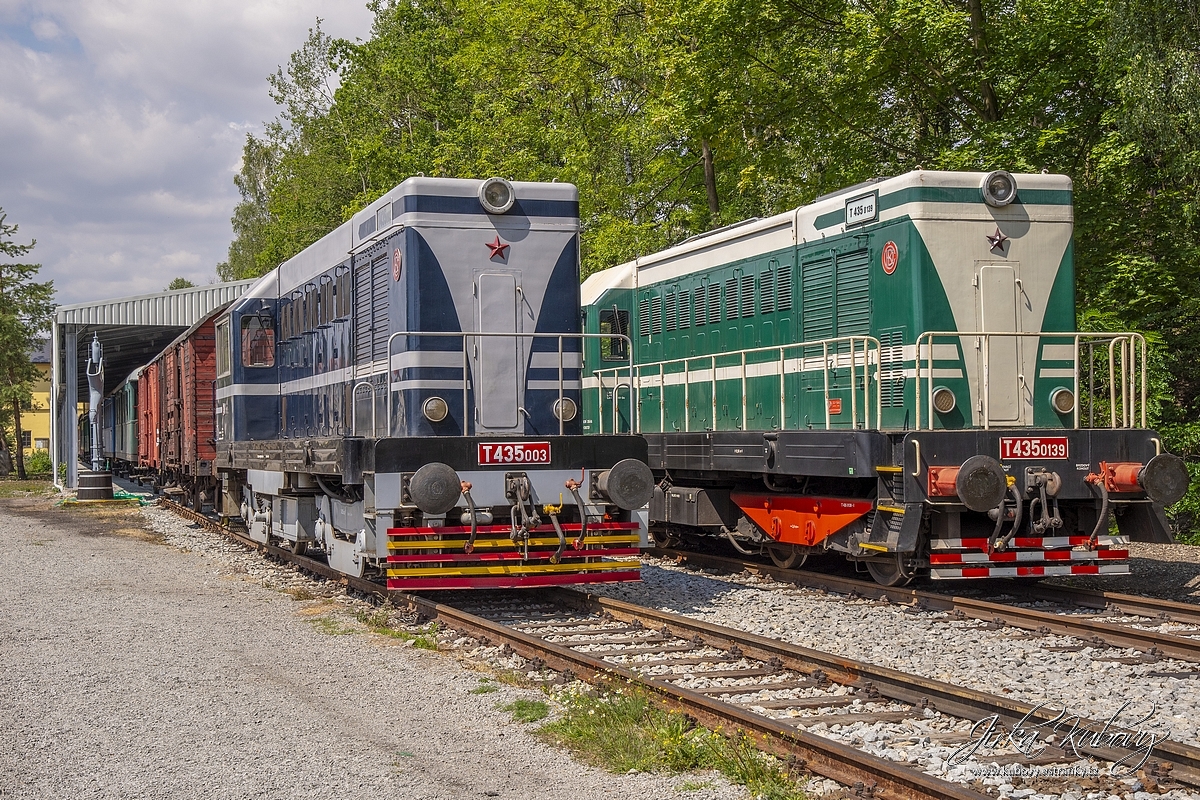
[447,310]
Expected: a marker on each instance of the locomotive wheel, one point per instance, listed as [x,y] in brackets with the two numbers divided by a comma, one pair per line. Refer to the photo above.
[663,538]
[787,556]
[889,570]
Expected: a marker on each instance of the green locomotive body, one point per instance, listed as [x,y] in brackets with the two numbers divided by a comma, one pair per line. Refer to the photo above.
[817,381]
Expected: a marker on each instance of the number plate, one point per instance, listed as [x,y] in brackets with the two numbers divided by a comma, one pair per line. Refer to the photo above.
[1033,447]
[514,453]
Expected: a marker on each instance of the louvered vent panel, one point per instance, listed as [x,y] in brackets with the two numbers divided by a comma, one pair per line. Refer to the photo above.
[381,276]
[891,368]
[747,295]
[853,297]
[362,313]
[656,315]
[731,299]
[816,291]
[685,312]
[672,311]
[766,289]
[699,305]
[784,282]
[714,303]
[644,316]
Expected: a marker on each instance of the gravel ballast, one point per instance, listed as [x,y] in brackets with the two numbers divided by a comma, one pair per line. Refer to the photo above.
[134,669]
[969,653]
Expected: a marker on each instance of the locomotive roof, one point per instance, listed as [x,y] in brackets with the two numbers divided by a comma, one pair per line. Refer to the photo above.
[545,205]
[921,194]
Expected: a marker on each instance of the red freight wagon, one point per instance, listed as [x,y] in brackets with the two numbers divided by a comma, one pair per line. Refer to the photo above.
[149,424]
[176,437]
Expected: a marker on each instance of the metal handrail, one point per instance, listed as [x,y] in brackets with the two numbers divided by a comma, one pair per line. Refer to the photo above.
[829,362]
[466,335]
[1126,348]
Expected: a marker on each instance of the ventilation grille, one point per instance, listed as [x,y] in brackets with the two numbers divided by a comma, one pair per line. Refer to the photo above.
[853,297]
[714,303]
[816,287]
[747,295]
[699,305]
[644,317]
[766,298]
[891,369]
[672,311]
[784,282]
[656,315]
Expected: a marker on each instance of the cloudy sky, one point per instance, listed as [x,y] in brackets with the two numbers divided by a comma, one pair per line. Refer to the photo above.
[121,127]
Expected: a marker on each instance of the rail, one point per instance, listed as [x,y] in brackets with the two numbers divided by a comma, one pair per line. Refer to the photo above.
[1127,361]
[469,337]
[839,353]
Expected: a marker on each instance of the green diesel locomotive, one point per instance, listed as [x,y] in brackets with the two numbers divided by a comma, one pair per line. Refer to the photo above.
[893,373]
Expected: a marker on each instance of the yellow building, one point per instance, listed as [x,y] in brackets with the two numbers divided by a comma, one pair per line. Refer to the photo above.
[35,423]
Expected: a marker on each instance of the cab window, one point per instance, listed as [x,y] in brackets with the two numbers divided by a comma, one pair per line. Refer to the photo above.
[223,348]
[258,342]
[614,321]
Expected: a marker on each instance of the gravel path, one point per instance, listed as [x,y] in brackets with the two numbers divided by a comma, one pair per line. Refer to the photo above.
[133,669]
[1002,661]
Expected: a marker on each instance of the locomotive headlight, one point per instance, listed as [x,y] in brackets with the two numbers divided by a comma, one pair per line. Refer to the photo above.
[497,195]
[564,409]
[999,188]
[944,400]
[1062,400]
[435,409]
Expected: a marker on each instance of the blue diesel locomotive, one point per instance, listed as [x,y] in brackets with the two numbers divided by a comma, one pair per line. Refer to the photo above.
[404,395]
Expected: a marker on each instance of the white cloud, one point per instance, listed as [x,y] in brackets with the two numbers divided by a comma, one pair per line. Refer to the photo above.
[122,123]
[45,29]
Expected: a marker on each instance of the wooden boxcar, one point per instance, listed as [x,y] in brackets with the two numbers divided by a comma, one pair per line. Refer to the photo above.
[176,440]
[149,393]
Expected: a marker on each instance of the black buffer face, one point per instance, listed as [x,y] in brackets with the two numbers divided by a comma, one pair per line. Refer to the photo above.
[1165,479]
[435,488]
[629,484]
[981,483]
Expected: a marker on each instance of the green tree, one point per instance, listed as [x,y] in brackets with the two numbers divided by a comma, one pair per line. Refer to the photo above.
[25,310]
[179,283]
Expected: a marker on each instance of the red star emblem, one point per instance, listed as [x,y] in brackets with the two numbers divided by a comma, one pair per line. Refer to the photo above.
[997,240]
[497,247]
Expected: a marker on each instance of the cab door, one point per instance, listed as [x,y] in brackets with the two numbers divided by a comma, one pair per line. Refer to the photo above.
[998,310]
[497,363]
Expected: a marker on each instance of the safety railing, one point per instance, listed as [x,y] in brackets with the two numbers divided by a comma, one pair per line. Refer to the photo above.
[469,338]
[839,353]
[1124,353]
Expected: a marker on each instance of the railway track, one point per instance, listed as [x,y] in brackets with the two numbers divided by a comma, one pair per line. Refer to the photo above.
[1098,619]
[781,694]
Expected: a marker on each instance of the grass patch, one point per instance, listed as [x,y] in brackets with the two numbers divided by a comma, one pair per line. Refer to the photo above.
[624,730]
[299,593]
[528,710]
[694,786]
[511,677]
[330,626]
[380,622]
[31,488]
[485,687]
